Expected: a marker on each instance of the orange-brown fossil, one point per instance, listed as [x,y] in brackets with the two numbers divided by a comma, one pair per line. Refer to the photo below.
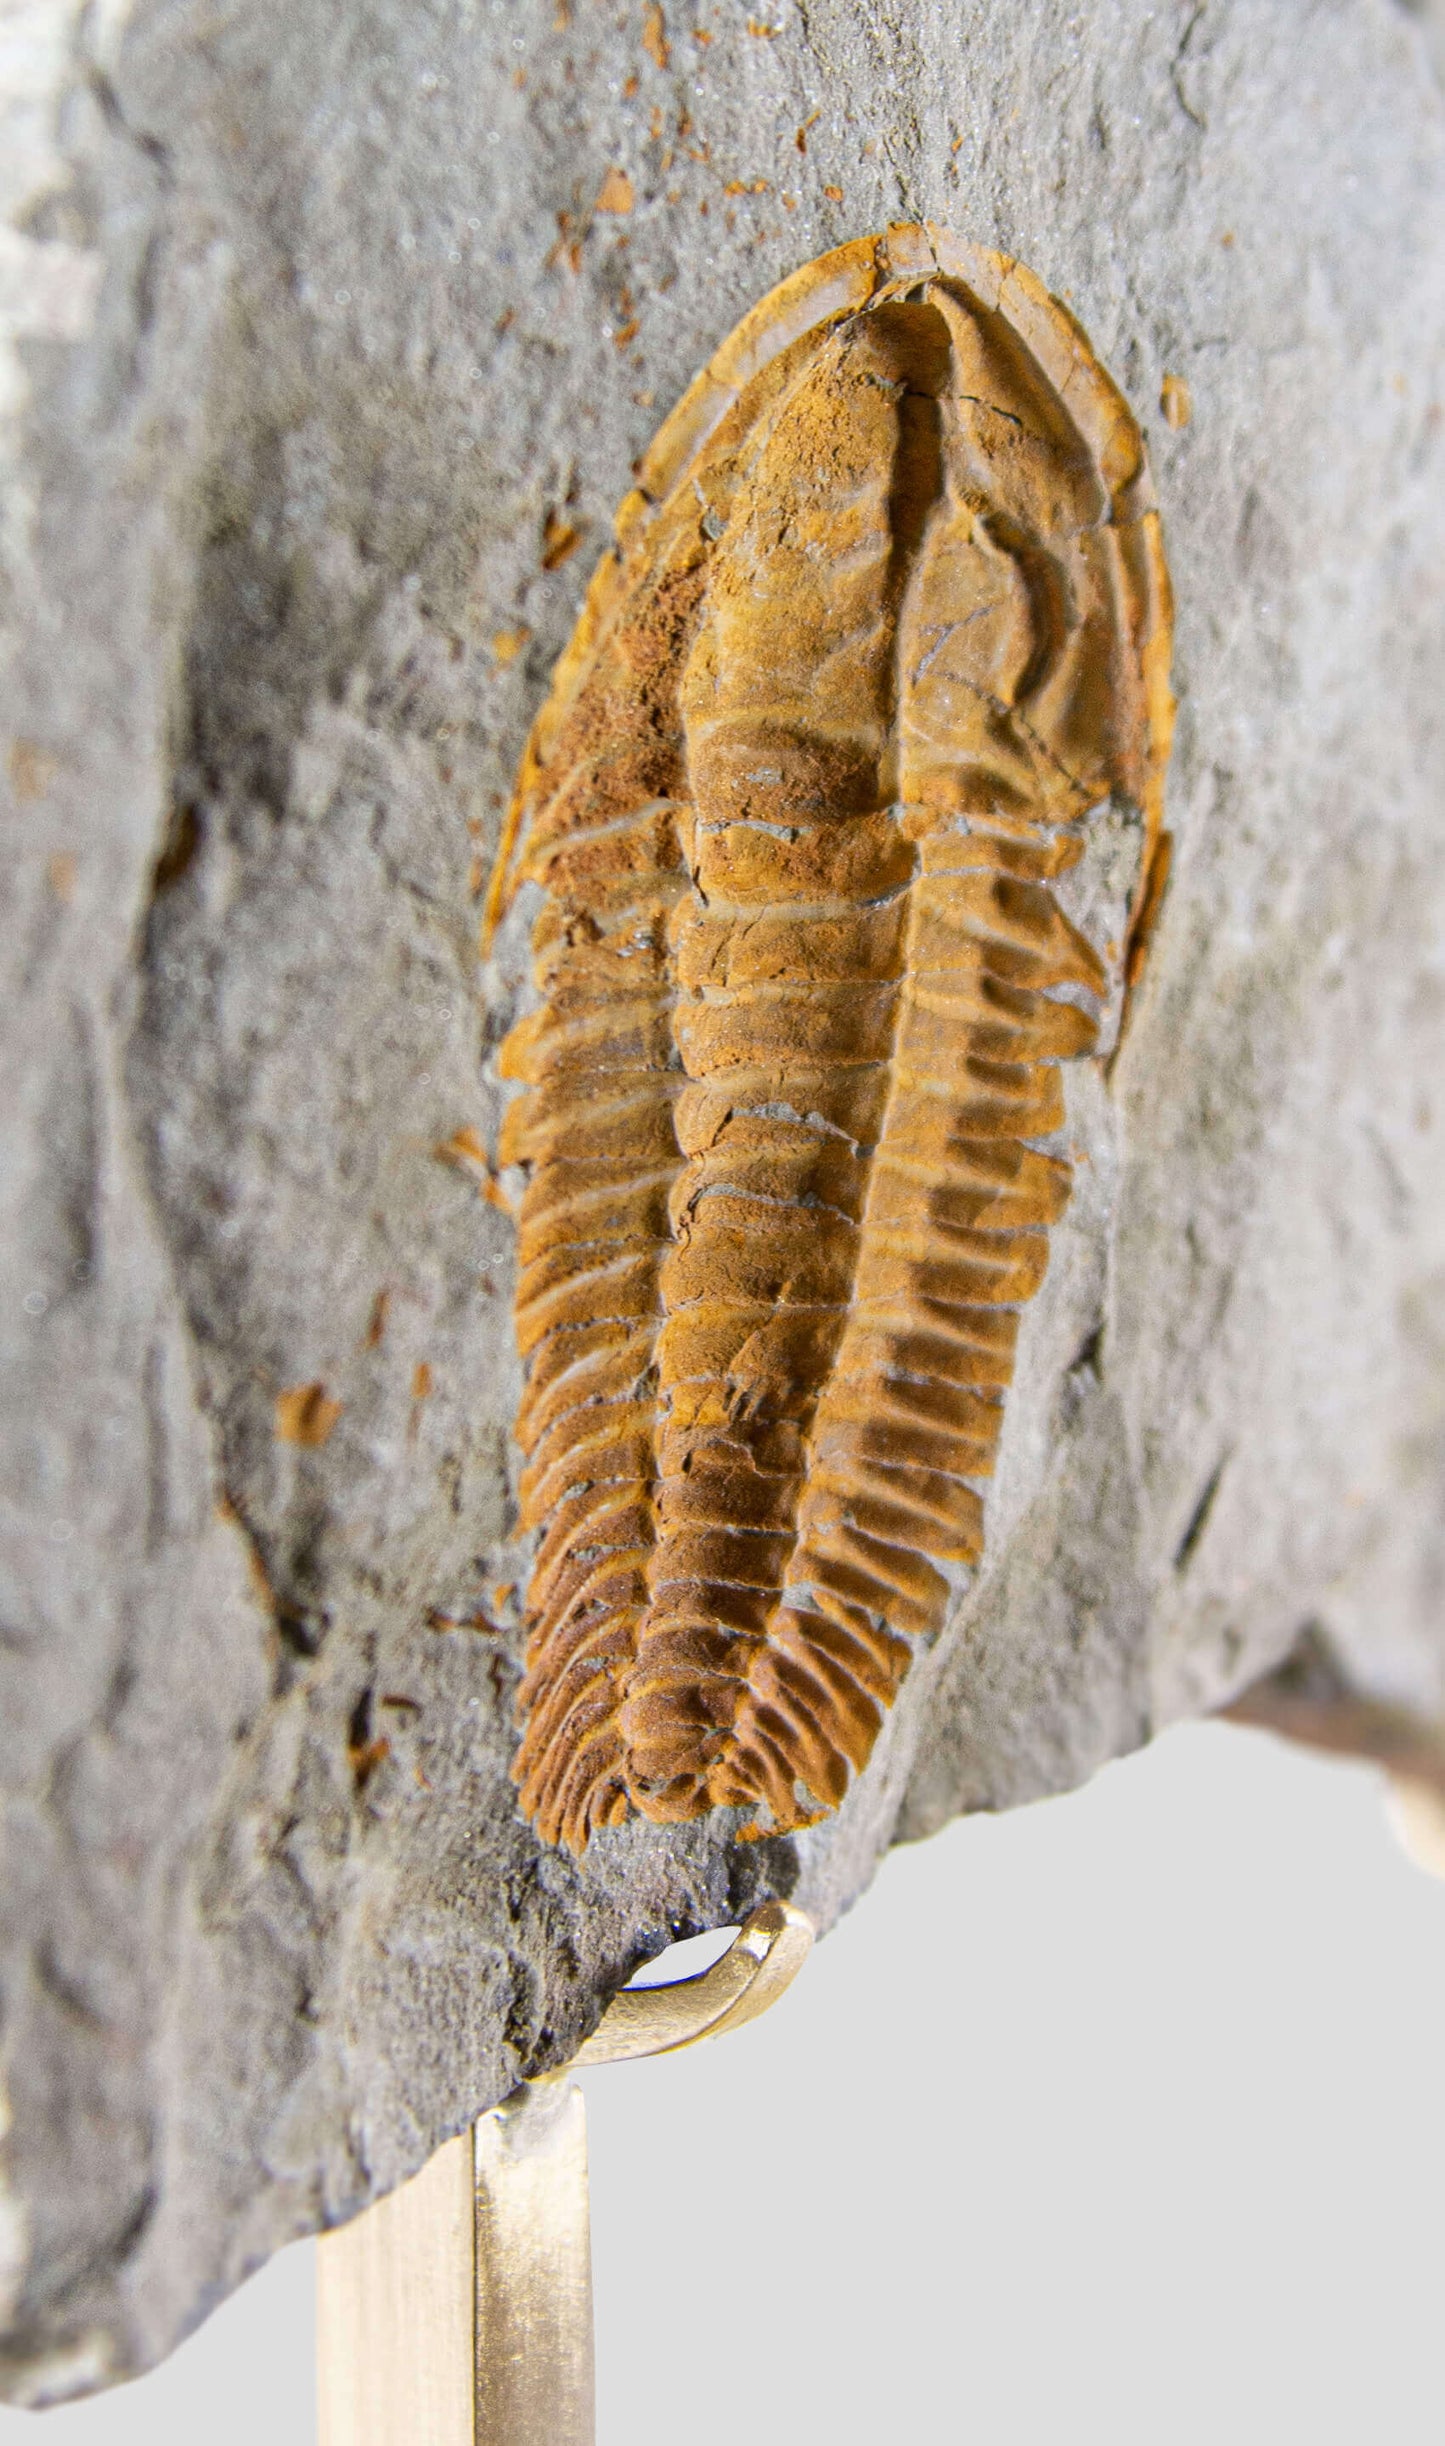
[886,619]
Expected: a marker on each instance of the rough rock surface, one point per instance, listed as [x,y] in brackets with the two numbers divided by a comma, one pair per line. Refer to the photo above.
[325,346]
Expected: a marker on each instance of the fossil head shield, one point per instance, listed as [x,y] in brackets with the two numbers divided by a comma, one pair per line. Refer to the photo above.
[885,621]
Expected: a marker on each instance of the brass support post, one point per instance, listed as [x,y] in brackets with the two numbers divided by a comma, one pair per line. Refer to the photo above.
[458,2310]
[533,2257]
[1416,1810]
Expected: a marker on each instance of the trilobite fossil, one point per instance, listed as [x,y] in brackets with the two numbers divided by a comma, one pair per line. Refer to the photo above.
[886,622]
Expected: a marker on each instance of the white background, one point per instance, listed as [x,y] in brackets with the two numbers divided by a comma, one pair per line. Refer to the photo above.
[1118,2119]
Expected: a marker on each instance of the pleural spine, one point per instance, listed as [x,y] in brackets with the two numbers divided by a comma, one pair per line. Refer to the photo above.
[805,987]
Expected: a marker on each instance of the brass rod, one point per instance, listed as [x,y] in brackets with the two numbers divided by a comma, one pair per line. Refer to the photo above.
[395,2315]
[534,2372]
[1416,1810]
[458,2310]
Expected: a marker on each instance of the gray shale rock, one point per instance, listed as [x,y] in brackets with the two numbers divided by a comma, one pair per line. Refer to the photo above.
[314,345]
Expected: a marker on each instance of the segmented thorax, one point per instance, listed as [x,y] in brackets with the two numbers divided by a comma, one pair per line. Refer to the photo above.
[886,621]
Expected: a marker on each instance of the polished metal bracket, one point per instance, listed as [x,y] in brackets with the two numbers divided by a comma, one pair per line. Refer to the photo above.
[766,1956]
[1416,1813]
[458,2311]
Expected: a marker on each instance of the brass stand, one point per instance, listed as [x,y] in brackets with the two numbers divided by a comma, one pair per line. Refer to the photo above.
[396,2317]
[1416,1811]
[532,2347]
[458,2311]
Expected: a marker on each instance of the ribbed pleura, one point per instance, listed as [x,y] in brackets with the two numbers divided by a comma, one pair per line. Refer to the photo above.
[832,727]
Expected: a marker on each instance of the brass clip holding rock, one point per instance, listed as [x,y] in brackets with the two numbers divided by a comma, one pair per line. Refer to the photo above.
[766,1956]
[459,2309]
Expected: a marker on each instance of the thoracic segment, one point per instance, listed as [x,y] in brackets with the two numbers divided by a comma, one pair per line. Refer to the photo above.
[805,987]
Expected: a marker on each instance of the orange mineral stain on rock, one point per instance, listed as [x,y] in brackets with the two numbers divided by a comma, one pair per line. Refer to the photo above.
[654,35]
[885,624]
[615,193]
[466,1151]
[364,1757]
[305,1414]
[1175,404]
[568,248]
[560,539]
[31,770]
